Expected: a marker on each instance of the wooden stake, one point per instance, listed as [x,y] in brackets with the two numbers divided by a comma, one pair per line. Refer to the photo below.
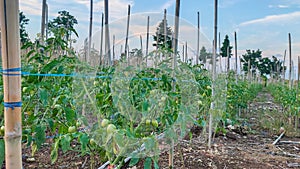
[212,105]
[175,47]
[127,32]
[46,20]
[107,39]
[43,21]
[198,39]
[186,51]
[11,64]
[183,58]
[275,142]
[284,57]
[220,57]
[165,28]
[90,31]
[290,59]
[228,60]
[147,38]
[101,41]
[114,41]
[236,58]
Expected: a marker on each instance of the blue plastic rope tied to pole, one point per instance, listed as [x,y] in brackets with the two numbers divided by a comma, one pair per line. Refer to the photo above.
[7,72]
[12,105]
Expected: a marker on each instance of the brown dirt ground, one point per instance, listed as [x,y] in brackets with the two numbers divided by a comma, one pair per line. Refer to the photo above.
[250,149]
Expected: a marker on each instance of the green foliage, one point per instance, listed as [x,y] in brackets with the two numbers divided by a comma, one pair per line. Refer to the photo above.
[23,21]
[238,96]
[52,104]
[62,28]
[2,152]
[290,102]
[265,66]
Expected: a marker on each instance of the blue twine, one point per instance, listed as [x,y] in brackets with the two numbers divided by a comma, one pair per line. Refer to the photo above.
[12,105]
[6,72]
[63,75]
[11,70]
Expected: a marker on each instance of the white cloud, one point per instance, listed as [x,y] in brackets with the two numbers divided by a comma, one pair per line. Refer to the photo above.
[273,18]
[282,6]
[167,5]
[117,8]
[31,7]
[278,6]
[228,3]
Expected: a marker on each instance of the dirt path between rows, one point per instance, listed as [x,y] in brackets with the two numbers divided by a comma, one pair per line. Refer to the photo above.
[248,149]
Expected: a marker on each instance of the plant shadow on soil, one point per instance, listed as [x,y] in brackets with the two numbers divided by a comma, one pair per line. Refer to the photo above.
[251,149]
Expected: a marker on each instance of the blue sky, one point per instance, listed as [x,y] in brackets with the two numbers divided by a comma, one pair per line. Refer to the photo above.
[260,24]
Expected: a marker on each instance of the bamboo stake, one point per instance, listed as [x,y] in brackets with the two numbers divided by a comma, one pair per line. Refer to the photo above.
[47,13]
[212,105]
[141,41]
[297,91]
[249,67]
[165,28]
[290,59]
[186,51]
[43,21]
[176,32]
[107,39]
[284,57]
[183,58]
[298,77]
[293,72]
[114,41]
[290,142]
[240,65]
[220,57]
[198,39]
[10,38]
[127,32]
[228,60]
[90,31]
[278,138]
[101,41]
[147,38]
[236,58]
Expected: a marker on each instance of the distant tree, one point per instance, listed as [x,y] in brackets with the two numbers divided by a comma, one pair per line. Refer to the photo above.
[61,29]
[23,21]
[277,67]
[159,37]
[63,25]
[253,57]
[226,50]
[265,66]
[204,55]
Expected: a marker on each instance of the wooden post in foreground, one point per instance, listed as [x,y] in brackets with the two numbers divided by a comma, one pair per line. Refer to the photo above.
[10,37]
